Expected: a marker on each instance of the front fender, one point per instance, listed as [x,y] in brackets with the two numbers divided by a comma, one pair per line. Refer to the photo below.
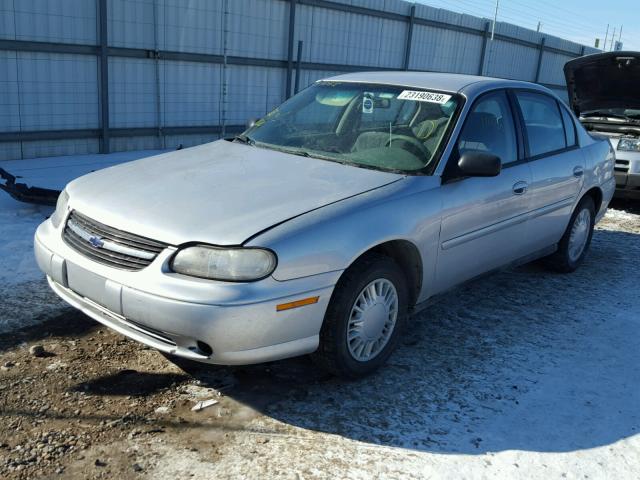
[331,238]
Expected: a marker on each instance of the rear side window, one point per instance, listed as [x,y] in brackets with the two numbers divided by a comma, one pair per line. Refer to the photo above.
[489,128]
[569,127]
[543,123]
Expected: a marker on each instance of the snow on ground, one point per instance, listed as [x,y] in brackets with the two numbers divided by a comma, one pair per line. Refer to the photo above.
[56,172]
[20,278]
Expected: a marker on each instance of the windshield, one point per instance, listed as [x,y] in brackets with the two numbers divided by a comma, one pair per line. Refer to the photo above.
[383,127]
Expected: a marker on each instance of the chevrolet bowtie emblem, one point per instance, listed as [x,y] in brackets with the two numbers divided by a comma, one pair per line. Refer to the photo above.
[96,242]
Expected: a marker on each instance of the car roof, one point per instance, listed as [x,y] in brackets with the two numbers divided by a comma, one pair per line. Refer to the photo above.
[451,82]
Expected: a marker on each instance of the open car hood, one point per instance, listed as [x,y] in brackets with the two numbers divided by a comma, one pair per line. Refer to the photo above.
[604,80]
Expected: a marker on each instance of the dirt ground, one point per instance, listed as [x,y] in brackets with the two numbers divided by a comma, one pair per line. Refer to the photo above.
[523,374]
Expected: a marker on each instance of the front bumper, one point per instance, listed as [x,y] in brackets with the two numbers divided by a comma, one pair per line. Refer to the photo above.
[627,185]
[627,173]
[208,321]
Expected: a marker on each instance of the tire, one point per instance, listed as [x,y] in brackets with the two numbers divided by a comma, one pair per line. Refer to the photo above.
[564,260]
[338,355]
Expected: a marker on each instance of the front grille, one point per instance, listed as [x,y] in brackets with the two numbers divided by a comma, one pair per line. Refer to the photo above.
[108,245]
[622,166]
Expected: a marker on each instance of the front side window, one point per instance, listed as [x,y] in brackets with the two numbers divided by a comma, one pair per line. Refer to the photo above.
[489,128]
[543,123]
[373,126]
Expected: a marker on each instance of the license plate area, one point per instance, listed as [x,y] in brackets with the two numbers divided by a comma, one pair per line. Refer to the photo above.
[94,287]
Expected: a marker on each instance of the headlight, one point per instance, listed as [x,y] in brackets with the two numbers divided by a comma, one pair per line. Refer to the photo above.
[61,209]
[629,144]
[228,264]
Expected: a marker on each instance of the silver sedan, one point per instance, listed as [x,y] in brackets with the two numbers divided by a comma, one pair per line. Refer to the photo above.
[328,222]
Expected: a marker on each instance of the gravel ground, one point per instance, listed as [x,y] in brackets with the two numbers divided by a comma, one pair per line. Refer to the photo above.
[523,374]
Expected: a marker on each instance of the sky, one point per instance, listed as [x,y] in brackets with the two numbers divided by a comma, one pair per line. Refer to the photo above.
[581,21]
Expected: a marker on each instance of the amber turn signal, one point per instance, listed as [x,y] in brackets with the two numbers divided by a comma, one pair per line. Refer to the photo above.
[297,303]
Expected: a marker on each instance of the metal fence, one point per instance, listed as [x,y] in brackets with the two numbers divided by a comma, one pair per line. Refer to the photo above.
[85,76]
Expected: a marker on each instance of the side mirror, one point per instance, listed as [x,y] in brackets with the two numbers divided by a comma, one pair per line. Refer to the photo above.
[479,164]
[251,122]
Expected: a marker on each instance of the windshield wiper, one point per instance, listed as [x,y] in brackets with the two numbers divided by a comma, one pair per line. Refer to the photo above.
[300,152]
[246,139]
[604,114]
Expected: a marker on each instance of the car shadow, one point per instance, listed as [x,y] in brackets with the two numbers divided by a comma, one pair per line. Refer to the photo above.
[522,360]
[130,383]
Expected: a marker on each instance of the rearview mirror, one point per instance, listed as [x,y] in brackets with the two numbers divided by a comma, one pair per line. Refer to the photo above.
[479,164]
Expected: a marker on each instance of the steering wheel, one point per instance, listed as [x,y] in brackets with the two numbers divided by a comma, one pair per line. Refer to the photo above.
[411,145]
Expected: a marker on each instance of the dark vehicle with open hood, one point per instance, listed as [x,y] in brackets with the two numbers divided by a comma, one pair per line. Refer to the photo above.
[604,91]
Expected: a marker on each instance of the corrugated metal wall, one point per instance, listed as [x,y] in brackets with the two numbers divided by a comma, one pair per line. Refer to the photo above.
[184,71]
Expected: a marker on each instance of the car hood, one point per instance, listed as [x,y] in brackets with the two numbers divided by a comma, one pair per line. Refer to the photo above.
[604,80]
[220,193]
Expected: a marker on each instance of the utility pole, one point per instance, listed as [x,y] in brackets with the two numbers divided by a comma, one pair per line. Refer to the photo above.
[539,25]
[606,35]
[612,38]
[495,18]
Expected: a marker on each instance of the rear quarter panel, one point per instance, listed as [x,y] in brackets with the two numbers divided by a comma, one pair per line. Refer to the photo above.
[600,161]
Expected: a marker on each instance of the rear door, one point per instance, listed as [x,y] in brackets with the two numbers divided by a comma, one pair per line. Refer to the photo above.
[557,165]
[484,219]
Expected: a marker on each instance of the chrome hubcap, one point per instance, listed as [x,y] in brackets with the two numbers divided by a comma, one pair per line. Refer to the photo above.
[372,319]
[579,234]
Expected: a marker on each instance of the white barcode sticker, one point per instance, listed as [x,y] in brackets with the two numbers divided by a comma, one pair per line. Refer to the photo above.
[420,96]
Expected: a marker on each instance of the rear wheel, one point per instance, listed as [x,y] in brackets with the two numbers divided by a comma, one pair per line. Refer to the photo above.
[364,319]
[575,242]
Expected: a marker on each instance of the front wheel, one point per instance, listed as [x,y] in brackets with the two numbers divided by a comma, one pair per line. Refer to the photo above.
[575,242]
[364,319]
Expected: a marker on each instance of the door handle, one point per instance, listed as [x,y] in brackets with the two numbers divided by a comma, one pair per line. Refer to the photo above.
[578,172]
[520,188]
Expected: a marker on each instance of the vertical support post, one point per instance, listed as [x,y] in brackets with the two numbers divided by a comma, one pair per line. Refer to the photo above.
[540,54]
[104,77]
[582,50]
[407,48]
[483,52]
[156,61]
[223,90]
[298,65]
[292,26]
[495,19]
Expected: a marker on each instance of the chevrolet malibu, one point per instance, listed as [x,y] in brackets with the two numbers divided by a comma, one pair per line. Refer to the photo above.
[324,225]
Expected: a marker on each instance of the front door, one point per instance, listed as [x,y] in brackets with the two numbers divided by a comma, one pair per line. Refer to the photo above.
[484,219]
